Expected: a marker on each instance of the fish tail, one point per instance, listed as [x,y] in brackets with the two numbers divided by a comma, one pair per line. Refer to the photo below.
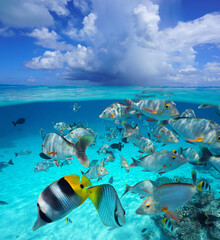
[10,162]
[82,172]
[14,123]
[85,181]
[127,189]
[135,163]
[130,104]
[16,154]
[81,147]
[205,156]
[194,178]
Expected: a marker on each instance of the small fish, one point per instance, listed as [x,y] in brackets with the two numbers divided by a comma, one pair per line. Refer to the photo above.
[146,145]
[110,180]
[125,140]
[142,188]
[23,153]
[62,126]
[42,133]
[3,203]
[190,153]
[5,164]
[44,165]
[68,220]
[66,162]
[167,224]
[119,129]
[162,134]
[143,230]
[19,121]
[167,198]
[110,157]
[103,149]
[74,135]
[76,107]
[106,201]
[204,186]
[60,198]
[96,171]
[118,146]
[124,164]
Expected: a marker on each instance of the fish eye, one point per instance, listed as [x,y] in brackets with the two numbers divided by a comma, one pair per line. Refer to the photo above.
[101,170]
[167,106]
[173,157]
[174,151]
[124,162]
[147,205]
[152,150]
[218,138]
[171,137]
[162,130]
[194,155]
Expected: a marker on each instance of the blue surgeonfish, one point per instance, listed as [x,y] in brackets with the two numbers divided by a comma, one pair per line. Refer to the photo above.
[106,201]
[60,198]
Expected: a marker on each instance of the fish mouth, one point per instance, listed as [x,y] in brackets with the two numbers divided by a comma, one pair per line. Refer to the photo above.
[139,211]
[100,116]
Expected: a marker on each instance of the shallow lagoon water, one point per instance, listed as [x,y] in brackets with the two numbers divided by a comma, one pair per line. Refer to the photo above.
[20,186]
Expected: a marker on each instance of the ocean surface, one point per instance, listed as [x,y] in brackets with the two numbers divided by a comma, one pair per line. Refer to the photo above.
[42,106]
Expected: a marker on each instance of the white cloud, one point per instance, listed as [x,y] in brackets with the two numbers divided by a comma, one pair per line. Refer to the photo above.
[58,6]
[80,57]
[87,32]
[83,5]
[49,39]
[6,32]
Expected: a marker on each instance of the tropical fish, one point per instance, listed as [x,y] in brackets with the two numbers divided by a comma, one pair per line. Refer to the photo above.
[142,188]
[110,180]
[5,164]
[118,146]
[60,198]
[154,109]
[62,126]
[44,165]
[96,171]
[116,112]
[65,150]
[159,162]
[19,121]
[162,134]
[131,131]
[167,198]
[77,133]
[190,153]
[188,113]
[23,152]
[124,164]
[103,149]
[145,144]
[199,131]
[68,220]
[76,107]
[203,186]
[3,203]
[167,224]
[110,157]
[106,201]
[125,140]
[66,162]
[42,133]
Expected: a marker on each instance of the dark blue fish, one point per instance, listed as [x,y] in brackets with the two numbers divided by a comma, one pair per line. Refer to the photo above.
[3,203]
[19,121]
[110,180]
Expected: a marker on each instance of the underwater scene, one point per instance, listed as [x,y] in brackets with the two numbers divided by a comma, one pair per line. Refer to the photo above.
[109,163]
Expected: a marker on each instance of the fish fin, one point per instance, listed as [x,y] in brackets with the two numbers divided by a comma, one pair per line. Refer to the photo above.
[199,139]
[101,164]
[116,122]
[151,120]
[45,170]
[44,156]
[127,170]
[205,155]
[181,150]
[129,103]
[14,123]
[82,172]
[99,179]
[141,197]
[111,228]
[170,214]
[39,223]
[10,162]
[194,178]
[16,154]
[149,110]
[81,147]
[127,189]
[145,190]
[85,181]
[135,163]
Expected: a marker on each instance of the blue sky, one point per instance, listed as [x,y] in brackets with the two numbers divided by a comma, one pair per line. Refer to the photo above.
[110,42]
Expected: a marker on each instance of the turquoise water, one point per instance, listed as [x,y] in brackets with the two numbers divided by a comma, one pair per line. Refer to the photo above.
[40,106]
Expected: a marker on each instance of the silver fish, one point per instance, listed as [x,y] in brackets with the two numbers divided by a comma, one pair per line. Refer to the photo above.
[124,164]
[77,133]
[44,166]
[5,164]
[96,171]
[190,153]
[188,113]
[58,148]
[61,126]
[162,134]
[23,153]
[110,157]
[76,107]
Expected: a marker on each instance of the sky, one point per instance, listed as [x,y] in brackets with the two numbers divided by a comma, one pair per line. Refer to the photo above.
[110,42]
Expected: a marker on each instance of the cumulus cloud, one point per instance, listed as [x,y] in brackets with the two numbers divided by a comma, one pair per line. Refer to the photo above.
[49,39]
[83,5]
[122,40]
